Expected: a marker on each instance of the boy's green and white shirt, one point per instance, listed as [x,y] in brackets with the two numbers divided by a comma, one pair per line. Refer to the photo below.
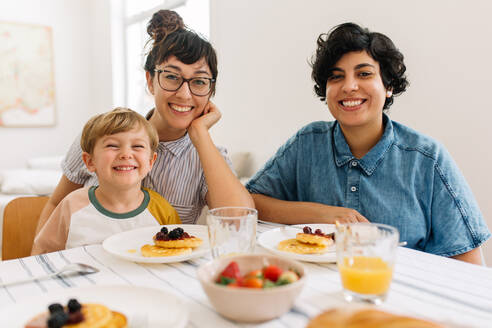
[80,220]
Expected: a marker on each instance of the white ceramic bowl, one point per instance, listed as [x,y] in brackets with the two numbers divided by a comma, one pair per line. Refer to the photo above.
[250,304]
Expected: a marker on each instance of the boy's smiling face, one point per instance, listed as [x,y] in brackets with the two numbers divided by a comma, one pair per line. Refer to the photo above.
[121,160]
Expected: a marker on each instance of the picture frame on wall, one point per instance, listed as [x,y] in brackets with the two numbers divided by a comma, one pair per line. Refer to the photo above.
[27,84]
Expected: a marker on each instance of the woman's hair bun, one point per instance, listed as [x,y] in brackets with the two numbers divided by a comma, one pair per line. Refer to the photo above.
[163,23]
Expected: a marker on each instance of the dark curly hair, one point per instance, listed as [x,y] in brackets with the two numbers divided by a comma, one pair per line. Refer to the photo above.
[350,37]
[170,37]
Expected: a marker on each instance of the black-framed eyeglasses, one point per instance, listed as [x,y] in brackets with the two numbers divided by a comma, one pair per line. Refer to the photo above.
[169,81]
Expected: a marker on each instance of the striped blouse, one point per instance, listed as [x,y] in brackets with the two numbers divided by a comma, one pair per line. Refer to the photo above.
[177,175]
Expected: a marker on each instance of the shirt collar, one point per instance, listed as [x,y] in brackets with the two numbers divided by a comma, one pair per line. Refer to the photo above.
[371,160]
[175,147]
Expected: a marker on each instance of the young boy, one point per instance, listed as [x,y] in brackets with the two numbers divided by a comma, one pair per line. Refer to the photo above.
[119,147]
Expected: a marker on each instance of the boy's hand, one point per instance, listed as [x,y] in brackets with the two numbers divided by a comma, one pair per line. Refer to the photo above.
[209,117]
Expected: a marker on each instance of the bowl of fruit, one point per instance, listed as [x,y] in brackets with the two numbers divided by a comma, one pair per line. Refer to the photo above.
[253,287]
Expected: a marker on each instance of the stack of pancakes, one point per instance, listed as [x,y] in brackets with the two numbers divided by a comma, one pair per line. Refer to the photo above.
[181,246]
[95,316]
[306,243]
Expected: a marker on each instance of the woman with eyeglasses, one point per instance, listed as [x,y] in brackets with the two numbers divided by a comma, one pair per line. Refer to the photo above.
[365,167]
[190,171]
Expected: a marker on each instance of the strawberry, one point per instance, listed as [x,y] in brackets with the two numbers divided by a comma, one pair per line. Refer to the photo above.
[231,271]
[272,272]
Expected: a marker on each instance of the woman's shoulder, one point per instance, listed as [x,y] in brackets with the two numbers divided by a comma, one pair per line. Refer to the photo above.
[306,137]
[409,139]
[317,127]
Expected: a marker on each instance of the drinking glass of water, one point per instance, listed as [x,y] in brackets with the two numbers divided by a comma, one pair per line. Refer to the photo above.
[232,230]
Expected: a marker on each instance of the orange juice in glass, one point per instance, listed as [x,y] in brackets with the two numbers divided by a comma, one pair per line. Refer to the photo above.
[365,259]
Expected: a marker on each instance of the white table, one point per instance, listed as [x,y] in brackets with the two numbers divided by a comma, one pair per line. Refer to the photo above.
[424,285]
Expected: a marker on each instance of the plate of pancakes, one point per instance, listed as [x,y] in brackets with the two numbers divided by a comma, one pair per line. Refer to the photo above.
[104,306]
[141,245]
[294,243]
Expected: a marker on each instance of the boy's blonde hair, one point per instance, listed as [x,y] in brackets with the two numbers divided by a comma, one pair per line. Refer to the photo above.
[118,120]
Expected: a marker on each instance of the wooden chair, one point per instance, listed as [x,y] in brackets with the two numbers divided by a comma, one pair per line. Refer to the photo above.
[20,219]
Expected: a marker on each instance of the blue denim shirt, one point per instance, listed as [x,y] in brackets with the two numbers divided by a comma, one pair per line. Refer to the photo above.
[407,180]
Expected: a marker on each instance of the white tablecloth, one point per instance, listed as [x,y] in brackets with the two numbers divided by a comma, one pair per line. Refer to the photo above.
[424,285]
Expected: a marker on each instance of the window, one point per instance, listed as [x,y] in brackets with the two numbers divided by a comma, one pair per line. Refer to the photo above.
[129,39]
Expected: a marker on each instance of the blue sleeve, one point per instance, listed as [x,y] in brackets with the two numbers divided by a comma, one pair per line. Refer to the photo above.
[277,178]
[457,225]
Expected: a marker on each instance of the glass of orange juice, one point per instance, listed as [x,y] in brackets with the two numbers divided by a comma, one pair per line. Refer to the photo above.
[365,259]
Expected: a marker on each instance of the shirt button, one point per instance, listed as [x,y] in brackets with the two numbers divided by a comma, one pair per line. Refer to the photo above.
[353,188]
[354,163]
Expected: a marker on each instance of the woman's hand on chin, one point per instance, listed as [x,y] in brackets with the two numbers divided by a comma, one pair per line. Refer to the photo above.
[209,117]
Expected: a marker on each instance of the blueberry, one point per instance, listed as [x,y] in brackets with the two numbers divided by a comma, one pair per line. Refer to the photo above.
[164,230]
[176,233]
[73,305]
[307,229]
[57,320]
[55,307]
[173,235]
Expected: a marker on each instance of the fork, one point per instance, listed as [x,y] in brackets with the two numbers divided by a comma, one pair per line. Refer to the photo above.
[80,268]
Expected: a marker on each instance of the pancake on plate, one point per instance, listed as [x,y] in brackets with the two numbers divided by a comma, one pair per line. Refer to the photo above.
[314,239]
[156,251]
[295,246]
[171,243]
[366,318]
[85,316]
[307,242]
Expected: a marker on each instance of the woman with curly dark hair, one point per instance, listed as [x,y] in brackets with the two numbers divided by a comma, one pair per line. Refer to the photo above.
[190,171]
[365,167]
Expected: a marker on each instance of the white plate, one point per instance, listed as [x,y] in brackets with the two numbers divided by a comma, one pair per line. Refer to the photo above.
[140,305]
[270,239]
[127,244]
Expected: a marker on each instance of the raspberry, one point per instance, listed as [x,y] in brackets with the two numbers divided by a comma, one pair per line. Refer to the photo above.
[160,235]
[164,230]
[55,307]
[75,317]
[307,229]
[318,232]
[73,306]
[186,235]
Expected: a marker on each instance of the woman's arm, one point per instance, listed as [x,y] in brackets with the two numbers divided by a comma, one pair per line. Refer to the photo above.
[289,212]
[224,189]
[54,233]
[63,188]
[474,256]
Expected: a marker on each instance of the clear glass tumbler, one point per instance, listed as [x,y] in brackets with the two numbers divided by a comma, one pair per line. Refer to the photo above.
[232,230]
[365,257]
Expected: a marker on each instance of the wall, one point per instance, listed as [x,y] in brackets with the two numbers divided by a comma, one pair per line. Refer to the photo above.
[82,73]
[265,91]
